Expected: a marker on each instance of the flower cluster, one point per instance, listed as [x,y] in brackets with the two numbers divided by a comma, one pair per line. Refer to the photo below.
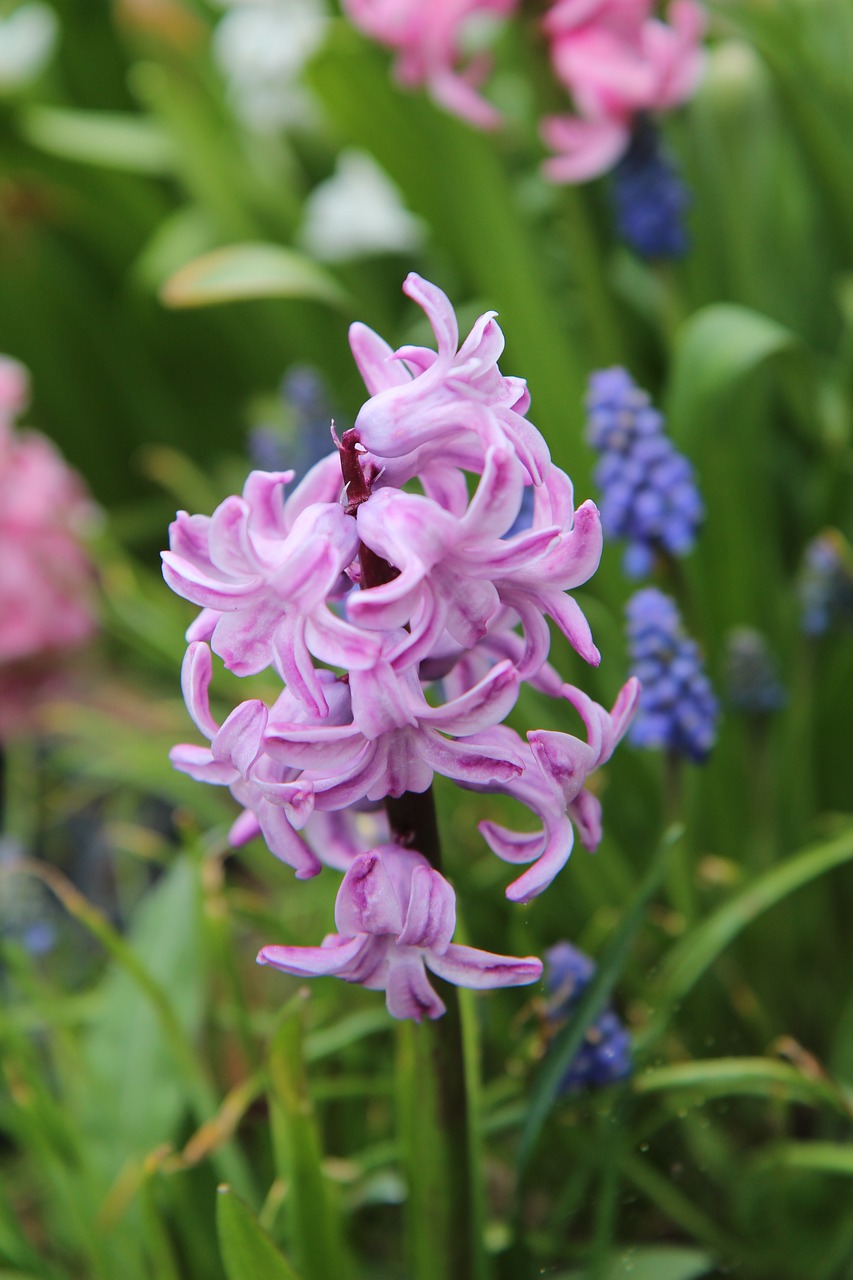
[619,63]
[46,575]
[649,494]
[605,1055]
[678,709]
[650,199]
[402,615]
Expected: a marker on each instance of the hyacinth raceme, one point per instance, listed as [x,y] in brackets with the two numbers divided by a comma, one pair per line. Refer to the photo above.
[605,1055]
[649,494]
[429,41]
[650,199]
[402,623]
[619,63]
[46,574]
[678,709]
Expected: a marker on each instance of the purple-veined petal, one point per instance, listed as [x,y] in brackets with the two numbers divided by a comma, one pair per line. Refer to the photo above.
[264,495]
[408,993]
[487,704]
[563,759]
[481,970]
[382,700]
[513,846]
[561,838]
[286,844]
[366,901]
[463,761]
[232,551]
[320,748]
[570,618]
[431,916]
[240,740]
[315,962]
[202,589]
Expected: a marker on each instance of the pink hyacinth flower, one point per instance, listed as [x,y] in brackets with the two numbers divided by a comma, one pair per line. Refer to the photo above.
[617,62]
[396,741]
[274,802]
[553,786]
[262,570]
[428,41]
[395,917]
[448,405]
[46,574]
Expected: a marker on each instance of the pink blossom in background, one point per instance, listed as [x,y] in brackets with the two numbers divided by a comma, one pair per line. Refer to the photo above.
[46,575]
[401,609]
[617,61]
[428,37]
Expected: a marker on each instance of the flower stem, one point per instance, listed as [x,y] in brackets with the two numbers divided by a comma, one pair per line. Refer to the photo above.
[436,1124]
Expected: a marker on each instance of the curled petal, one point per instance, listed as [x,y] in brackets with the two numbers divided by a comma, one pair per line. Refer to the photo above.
[366,901]
[431,917]
[196,675]
[198,762]
[240,740]
[481,970]
[315,962]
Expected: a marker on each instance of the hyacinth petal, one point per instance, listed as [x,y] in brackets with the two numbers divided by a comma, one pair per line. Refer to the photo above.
[198,763]
[315,962]
[200,588]
[577,555]
[481,349]
[497,498]
[188,536]
[321,747]
[374,359]
[203,627]
[406,528]
[294,663]
[196,675]
[323,483]
[244,828]
[570,618]
[240,740]
[231,549]
[366,901]
[482,970]
[587,147]
[512,846]
[381,702]
[556,854]
[263,494]
[408,993]
[438,309]
[486,704]
[585,813]
[564,760]
[431,917]
[467,763]
[241,638]
[287,845]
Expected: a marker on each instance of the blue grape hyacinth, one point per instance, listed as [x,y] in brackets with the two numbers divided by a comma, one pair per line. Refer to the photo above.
[648,490]
[678,709]
[605,1055]
[826,583]
[650,198]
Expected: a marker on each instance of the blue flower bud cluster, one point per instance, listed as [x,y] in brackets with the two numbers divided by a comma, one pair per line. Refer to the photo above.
[678,710]
[605,1055]
[304,436]
[752,681]
[826,583]
[649,493]
[650,199]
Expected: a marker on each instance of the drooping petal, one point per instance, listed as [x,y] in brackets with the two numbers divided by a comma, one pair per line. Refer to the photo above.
[315,962]
[196,675]
[366,901]
[408,993]
[431,917]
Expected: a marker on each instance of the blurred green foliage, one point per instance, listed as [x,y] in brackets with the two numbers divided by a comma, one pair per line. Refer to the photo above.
[144,1061]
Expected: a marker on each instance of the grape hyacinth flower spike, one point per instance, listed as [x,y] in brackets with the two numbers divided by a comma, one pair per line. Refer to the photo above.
[649,493]
[402,626]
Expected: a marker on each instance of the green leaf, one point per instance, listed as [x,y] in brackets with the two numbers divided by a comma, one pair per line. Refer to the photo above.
[729,1077]
[692,956]
[610,966]
[638,1262]
[715,349]
[248,1252]
[244,271]
[821,1157]
[108,139]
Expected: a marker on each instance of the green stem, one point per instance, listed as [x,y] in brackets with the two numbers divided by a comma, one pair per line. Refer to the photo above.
[444,1226]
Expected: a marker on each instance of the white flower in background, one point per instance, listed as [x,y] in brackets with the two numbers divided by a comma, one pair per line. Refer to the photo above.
[356,212]
[27,39]
[261,46]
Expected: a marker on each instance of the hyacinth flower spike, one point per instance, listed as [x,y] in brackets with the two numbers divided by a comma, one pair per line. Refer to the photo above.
[396,916]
